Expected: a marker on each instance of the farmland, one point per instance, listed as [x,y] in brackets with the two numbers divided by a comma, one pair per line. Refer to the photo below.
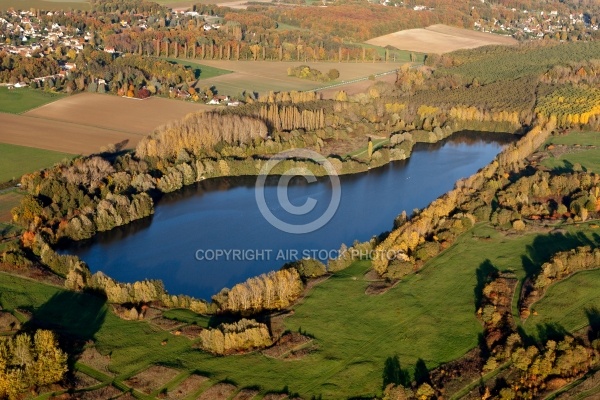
[264,76]
[581,148]
[20,100]
[406,321]
[439,39]
[200,71]
[82,124]
[184,5]
[8,200]
[567,303]
[18,160]
[134,116]
[45,4]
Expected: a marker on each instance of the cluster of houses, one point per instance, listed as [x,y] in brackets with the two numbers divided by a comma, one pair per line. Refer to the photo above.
[527,24]
[23,33]
[214,100]
[539,24]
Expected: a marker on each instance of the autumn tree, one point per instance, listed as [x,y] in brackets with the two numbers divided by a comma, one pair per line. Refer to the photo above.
[25,363]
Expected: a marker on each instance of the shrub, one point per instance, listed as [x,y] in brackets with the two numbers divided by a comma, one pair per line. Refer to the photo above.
[239,336]
[308,268]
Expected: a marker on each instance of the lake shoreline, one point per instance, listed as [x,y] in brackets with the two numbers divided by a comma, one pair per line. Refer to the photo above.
[177,195]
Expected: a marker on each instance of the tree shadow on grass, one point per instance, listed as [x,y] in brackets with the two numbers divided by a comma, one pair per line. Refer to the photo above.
[545,246]
[74,317]
[486,272]
[421,373]
[549,331]
[593,315]
[393,373]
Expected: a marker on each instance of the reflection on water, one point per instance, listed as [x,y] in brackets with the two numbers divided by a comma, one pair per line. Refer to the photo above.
[221,215]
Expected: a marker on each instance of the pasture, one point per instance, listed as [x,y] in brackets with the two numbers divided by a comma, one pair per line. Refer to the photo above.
[581,148]
[17,101]
[8,200]
[83,123]
[46,5]
[439,39]
[200,71]
[567,303]
[265,76]
[18,160]
[354,332]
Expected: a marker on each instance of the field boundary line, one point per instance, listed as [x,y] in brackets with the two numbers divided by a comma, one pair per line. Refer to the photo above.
[361,79]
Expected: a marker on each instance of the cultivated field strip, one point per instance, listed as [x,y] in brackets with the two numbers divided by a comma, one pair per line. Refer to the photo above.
[439,39]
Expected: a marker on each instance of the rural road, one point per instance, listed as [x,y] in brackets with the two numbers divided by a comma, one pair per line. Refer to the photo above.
[360,79]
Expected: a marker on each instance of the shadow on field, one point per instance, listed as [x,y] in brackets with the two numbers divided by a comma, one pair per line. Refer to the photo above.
[74,317]
[486,272]
[593,315]
[545,246]
[393,373]
[566,168]
[421,373]
[545,332]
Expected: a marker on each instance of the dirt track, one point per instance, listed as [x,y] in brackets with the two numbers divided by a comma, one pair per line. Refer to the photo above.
[440,39]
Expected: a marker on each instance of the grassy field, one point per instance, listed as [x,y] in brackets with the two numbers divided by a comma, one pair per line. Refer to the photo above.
[8,200]
[201,71]
[17,101]
[429,315]
[264,76]
[287,27]
[566,303]
[18,160]
[46,5]
[588,159]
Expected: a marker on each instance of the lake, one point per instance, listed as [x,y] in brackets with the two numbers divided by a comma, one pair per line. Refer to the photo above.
[213,235]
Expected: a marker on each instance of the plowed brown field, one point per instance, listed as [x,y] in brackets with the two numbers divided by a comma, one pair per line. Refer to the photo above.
[83,123]
[440,39]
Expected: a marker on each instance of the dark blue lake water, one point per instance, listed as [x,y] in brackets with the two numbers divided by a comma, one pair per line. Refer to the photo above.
[212,235]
